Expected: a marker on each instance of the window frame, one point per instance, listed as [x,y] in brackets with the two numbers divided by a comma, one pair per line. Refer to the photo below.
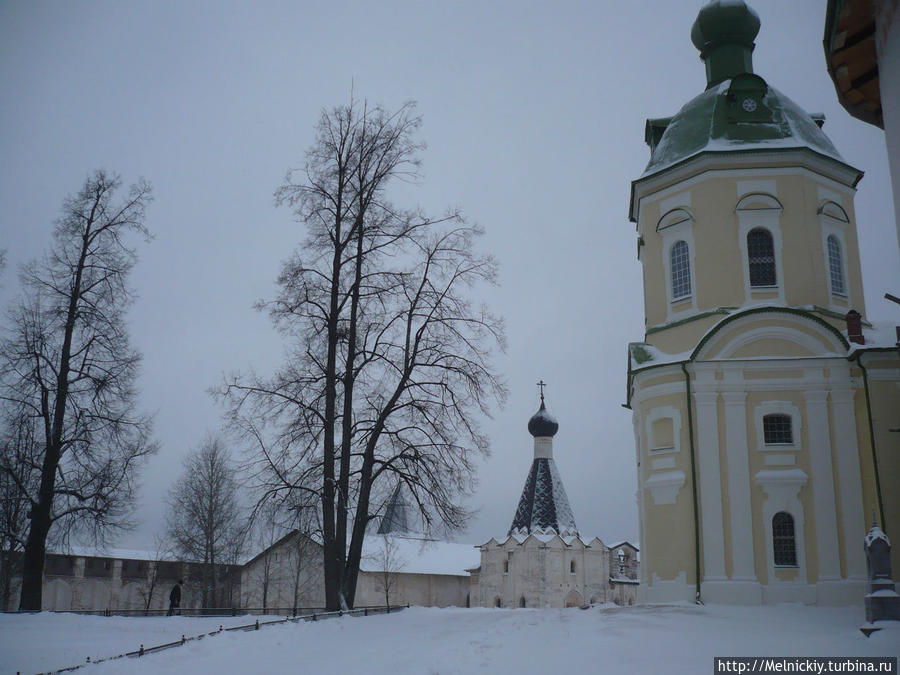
[758,260]
[680,277]
[781,539]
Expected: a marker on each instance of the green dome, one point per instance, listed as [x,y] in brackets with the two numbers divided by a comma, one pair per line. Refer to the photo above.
[724,22]
[740,114]
[738,111]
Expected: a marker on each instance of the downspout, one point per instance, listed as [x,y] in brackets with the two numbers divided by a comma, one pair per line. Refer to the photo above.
[690,415]
[858,356]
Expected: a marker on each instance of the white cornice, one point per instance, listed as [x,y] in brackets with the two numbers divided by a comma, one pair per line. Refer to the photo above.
[839,176]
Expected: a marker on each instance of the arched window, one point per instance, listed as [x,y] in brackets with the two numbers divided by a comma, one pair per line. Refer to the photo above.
[778,430]
[836,265]
[761,254]
[783,543]
[506,567]
[681,270]
[571,567]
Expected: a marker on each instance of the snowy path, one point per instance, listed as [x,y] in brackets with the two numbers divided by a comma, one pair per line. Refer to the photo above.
[675,639]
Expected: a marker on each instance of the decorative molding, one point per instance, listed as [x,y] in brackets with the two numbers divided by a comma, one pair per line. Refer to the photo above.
[782,408]
[782,488]
[665,486]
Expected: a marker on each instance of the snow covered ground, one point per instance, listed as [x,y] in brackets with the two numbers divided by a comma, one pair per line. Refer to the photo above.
[420,641]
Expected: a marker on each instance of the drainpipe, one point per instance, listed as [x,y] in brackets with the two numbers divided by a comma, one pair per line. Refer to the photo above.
[858,356]
[690,415]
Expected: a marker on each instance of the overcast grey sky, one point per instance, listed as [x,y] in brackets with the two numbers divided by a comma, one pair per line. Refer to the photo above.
[534,118]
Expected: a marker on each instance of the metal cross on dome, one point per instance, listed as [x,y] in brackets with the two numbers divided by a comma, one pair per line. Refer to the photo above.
[542,384]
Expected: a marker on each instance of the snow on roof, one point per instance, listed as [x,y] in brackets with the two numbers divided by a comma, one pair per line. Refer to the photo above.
[116,553]
[696,128]
[543,537]
[415,555]
[874,534]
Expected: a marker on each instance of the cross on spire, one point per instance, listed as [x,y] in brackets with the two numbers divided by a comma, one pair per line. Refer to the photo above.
[542,384]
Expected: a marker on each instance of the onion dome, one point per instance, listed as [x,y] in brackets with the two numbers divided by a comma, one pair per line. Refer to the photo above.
[542,423]
[724,32]
[739,111]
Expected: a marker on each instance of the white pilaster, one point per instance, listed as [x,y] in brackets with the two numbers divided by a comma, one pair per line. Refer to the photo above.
[822,484]
[847,449]
[710,480]
[736,448]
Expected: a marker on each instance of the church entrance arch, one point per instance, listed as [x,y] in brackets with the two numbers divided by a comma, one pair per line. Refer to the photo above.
[573,599]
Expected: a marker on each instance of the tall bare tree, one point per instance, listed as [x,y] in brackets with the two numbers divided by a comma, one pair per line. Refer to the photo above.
[19,476]
[206,522]
[66,363]
[389,363]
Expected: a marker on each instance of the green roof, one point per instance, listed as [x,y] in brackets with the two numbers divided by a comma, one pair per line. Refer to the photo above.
[719,120]
[739,111]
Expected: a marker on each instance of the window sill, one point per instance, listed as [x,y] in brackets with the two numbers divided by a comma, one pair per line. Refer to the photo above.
[765,288]
[779,447]
[667,450]
[683,300]
[787,567]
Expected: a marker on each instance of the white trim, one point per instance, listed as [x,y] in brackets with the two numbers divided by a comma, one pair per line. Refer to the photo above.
[665,486]
[768,219]
[832,225]
[778,408]
[710,485]
[663,412]
[782,488]
[787,331]
[848,471]
[823,485]
[738,458]
[661,185]
[677,308]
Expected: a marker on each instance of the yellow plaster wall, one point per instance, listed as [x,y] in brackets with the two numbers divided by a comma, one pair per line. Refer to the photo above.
[669,527]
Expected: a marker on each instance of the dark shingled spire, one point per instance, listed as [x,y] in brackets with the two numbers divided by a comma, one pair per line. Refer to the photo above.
[394,520]
[543,507]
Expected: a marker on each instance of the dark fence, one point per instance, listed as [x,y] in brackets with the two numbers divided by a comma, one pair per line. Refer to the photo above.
[256,625]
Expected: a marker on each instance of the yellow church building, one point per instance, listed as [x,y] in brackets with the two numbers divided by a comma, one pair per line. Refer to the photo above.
[762,398]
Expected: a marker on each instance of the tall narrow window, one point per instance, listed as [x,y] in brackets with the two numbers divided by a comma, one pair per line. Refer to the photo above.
[681,270]
[836,266]
[783,543]
[761,254]
[777,430]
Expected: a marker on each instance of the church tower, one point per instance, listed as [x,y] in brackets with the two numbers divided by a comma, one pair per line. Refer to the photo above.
[761,396]
[543,507]
[542,561]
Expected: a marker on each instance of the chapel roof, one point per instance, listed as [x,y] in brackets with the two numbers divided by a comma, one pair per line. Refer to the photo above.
[543,507]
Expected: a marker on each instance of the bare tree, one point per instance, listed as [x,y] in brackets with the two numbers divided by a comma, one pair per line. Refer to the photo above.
[19,476]
[205,520]
[389,561]
[389,362]
[162,553]
[66,363]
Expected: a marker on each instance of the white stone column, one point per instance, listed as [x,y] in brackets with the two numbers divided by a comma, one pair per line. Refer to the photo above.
[710,486]
[847,448]
[737,454]
[822,484]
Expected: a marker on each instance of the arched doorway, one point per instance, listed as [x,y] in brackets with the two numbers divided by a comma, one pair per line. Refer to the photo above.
[574,599]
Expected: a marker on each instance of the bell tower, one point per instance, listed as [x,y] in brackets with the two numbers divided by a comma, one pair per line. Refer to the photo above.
[755,465]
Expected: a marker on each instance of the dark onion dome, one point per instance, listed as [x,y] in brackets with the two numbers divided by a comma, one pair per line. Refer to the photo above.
[542,423]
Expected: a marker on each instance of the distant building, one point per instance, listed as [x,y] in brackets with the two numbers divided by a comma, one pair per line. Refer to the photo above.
[289,576]
[543,561]
[762,398]
[121,581]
